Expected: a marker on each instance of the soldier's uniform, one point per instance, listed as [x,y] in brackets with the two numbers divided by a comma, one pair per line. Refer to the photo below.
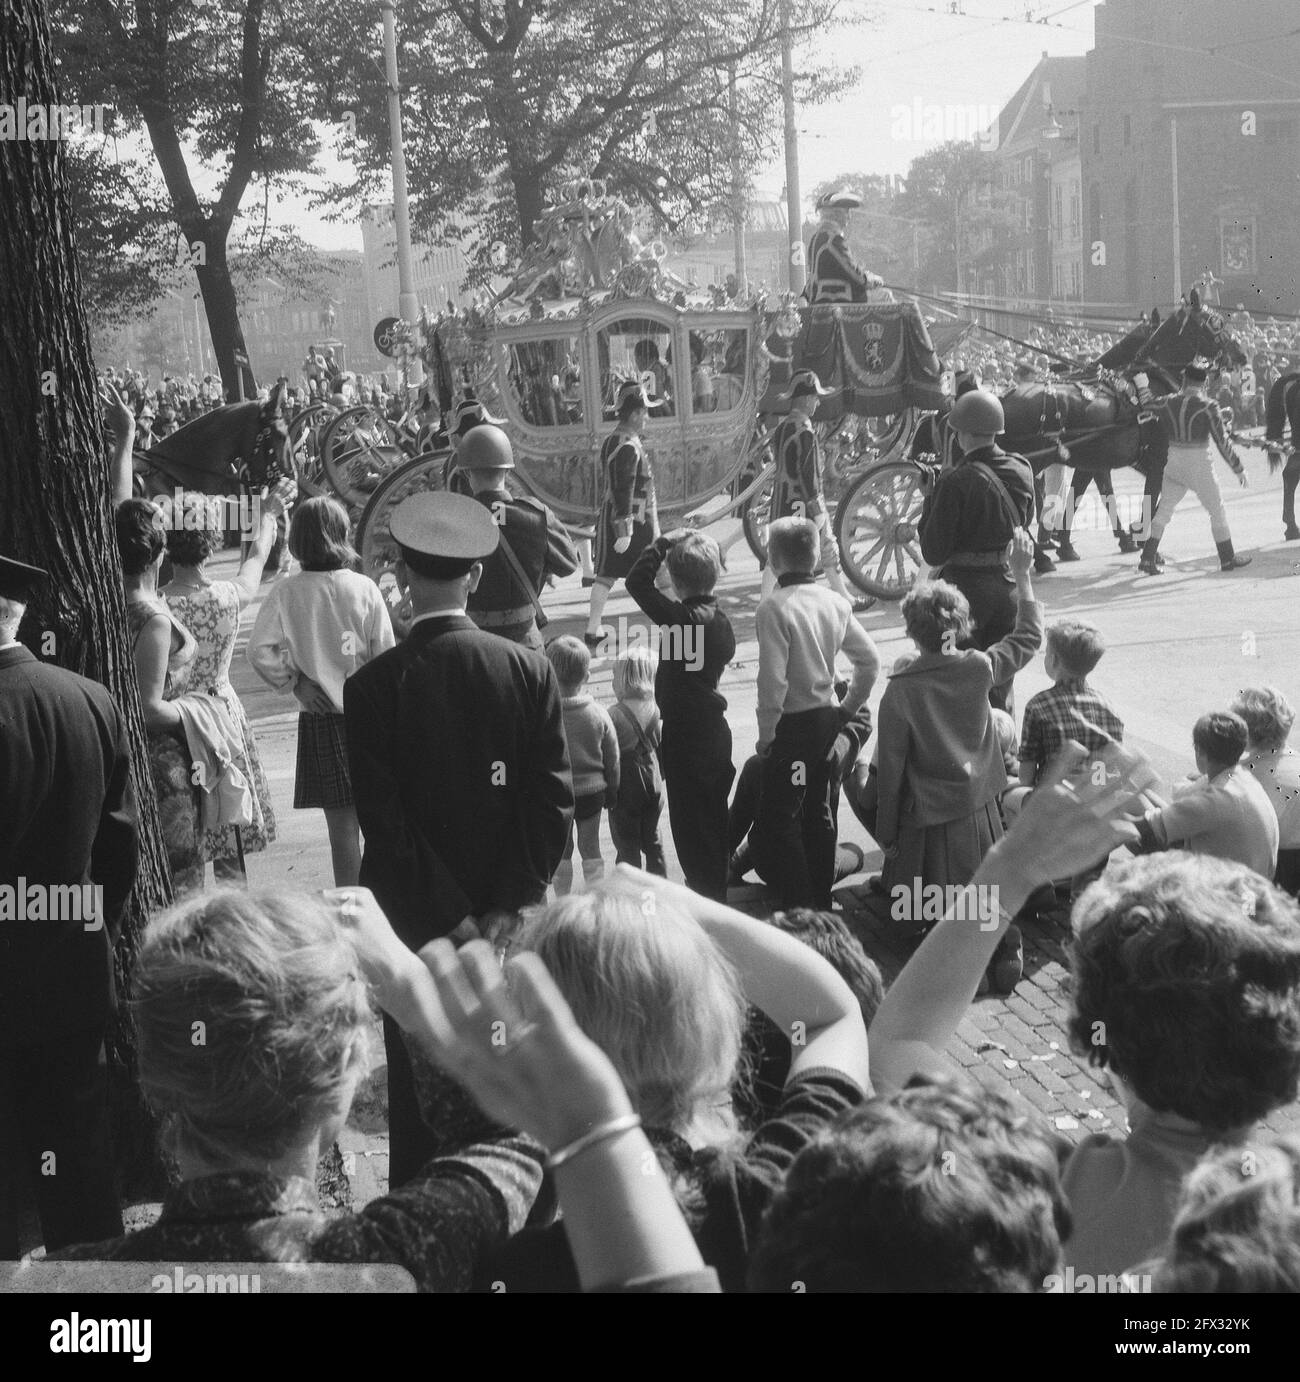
[1194,429]
[542,547]
[966,522]
[833,273]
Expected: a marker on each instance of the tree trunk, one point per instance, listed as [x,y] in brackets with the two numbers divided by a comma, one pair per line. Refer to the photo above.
[528,203]
[222,311]
[54,488]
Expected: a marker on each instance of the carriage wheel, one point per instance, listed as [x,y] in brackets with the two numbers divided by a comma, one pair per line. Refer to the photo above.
[305,442]
[359,450]
[374,537]
[875,526]
[754,520]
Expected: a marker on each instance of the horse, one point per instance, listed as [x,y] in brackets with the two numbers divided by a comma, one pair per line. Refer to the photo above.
[1284,406]
[240,449]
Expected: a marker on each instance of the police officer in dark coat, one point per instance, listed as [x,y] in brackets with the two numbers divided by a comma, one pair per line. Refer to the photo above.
[67,831]
[969,516]
[506,602]
[459,768]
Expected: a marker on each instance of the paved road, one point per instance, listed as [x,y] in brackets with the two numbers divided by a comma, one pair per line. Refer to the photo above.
[1178,645]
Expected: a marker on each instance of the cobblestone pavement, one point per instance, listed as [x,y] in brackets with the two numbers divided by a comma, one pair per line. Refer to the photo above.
[1178,645]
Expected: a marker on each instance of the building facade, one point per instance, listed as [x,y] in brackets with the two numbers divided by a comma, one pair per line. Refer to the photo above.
[1190,159]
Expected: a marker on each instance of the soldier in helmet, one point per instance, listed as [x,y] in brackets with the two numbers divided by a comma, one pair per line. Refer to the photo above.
[467,414]
[833,273]
[534,544]
[970,515]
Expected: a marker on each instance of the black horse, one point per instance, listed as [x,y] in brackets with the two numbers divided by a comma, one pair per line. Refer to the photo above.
[1284,407]
[238,450]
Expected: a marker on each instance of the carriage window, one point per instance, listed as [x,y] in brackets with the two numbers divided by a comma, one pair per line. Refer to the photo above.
[637,348]
[719,360]
[546,380]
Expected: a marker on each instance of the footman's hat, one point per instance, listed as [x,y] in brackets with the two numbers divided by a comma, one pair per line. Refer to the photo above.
[841,199]
[450,526]
[805,381]
[18,581]
[469,412]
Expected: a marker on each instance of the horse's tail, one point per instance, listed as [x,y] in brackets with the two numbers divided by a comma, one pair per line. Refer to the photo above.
[1275,410]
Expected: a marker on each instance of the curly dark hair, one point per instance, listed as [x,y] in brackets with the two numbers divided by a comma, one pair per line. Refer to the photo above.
[941,1187]
[139,535]
[194,535]
[1186,979]
[934,610]
[828,934]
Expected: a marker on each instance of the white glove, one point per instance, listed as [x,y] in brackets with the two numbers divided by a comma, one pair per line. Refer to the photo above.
[621,544]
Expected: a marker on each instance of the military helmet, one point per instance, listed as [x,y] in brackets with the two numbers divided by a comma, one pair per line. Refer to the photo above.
[485,448]
[979,413]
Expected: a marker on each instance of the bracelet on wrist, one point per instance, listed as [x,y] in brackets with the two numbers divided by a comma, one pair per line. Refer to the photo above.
[601,1133]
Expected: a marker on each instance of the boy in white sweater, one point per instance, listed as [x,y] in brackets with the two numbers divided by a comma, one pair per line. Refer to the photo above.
[801,628]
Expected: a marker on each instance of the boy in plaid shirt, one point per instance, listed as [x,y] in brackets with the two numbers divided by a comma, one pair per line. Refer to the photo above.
[1071,709]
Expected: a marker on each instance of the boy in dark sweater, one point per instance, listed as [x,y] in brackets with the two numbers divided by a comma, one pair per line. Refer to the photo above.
[695,643]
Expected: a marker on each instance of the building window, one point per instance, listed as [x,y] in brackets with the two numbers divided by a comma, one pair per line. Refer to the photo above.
[1074,207]
[1058,198]
[1074,279]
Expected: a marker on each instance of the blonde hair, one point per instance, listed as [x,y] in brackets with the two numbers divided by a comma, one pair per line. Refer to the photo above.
[1268,716]
[650,988]
[634,674]
[252,1014]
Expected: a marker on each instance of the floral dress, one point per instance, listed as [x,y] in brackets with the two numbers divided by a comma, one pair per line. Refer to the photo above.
[212,615]
[169,755]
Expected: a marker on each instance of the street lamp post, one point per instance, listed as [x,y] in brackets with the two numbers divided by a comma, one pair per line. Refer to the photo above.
[1177,226]
[408,305]
[793,201]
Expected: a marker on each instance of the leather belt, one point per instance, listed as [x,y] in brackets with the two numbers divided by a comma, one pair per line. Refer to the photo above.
[501,618]
[997,558]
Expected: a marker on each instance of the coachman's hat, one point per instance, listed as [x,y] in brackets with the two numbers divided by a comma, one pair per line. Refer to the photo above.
[18,581]
[978,413]
[805,381]
[841,199]
[469,412]
[450,526]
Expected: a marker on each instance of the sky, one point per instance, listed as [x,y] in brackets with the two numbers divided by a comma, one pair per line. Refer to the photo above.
[916,50]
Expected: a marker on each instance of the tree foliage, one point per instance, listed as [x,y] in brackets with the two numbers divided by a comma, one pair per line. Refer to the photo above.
[215,85]
[507,100]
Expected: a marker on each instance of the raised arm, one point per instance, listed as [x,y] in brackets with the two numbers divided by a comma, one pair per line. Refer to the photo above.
[249,577]
[121,423]
[781,976]
[522,1055]
[1016,650]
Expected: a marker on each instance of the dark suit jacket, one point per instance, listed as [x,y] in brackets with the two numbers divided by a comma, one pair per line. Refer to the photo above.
[460,775]
[67,818]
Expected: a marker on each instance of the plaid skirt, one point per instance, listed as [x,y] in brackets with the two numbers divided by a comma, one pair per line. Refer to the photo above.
[321,778]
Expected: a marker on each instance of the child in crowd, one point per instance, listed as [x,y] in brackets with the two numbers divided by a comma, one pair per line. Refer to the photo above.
[593,759]
[1224,811]
[634,819]
[802,627]
[696,643]
[315,628]
[1069,709]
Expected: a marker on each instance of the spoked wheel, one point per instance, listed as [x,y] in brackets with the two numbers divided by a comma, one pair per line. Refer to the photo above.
[876,528]
[374,537]
[305,431]
[754,519]
[359,450]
